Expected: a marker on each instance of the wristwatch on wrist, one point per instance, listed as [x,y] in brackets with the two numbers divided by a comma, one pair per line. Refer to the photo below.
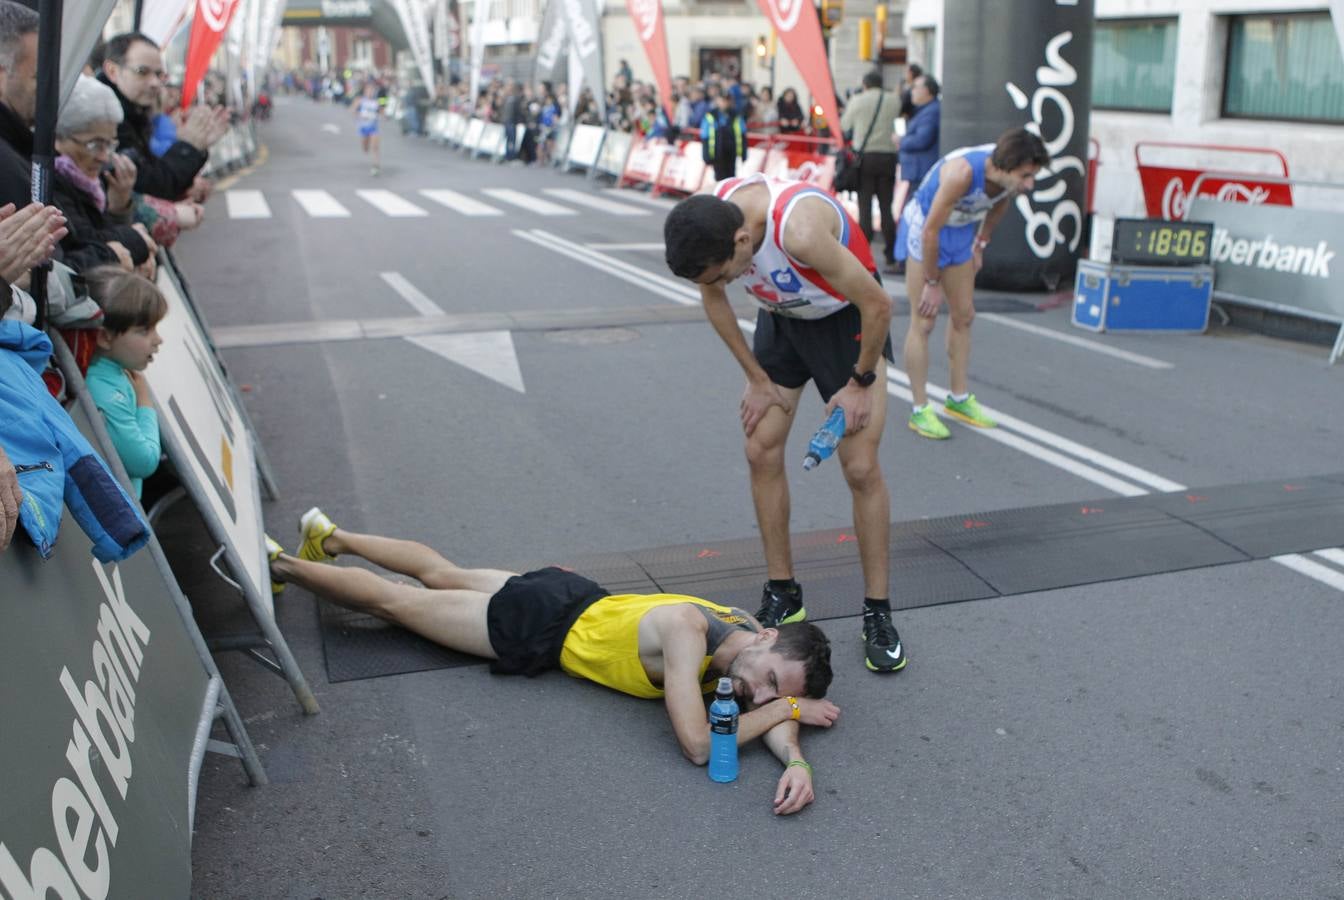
[932,282]
[863,379]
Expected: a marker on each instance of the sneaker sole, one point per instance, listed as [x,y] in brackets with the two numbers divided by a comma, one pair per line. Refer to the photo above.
[922,433]
[883,670]
[978,423]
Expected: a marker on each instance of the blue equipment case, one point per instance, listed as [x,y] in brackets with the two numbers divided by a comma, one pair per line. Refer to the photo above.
[1115,297]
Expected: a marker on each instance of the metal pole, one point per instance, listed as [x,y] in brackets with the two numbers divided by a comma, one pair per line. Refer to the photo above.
[44,132]
[139,14]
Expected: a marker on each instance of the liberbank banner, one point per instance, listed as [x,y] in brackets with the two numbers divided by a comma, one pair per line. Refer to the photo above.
[1282,257]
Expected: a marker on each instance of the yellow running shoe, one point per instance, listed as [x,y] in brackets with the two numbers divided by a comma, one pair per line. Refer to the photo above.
[273,551]
[314,528]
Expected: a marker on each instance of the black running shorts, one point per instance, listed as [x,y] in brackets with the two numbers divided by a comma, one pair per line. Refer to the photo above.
[528,619]
[824,350]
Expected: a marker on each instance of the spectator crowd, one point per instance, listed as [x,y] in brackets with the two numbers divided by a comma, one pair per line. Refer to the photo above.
[126,181]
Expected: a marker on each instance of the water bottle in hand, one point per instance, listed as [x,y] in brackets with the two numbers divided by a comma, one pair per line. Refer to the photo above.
[826,439]
[723,733]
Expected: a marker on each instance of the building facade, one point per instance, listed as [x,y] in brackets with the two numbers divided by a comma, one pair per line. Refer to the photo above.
[1264,74]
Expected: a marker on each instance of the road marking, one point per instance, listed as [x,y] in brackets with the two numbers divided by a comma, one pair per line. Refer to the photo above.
[333,129]
[584,198]
[411,294]
[531,204]
[1304,566]
[488,353]
[1335,556]
[247,205]
[654,245]
[467,206]
[664,204]
[1137,359]
[1059,442]
[638,277]
[390,204]
[320,205]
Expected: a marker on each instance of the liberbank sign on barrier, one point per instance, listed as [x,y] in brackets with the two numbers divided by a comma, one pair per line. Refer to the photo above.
[1277,257]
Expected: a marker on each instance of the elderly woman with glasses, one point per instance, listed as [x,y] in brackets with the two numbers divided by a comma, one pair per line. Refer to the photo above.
[93,185]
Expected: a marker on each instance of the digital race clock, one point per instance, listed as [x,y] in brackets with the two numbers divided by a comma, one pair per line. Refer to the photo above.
[1158,242]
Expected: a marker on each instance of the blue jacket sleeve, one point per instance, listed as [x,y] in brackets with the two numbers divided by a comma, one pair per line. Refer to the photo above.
[923,134]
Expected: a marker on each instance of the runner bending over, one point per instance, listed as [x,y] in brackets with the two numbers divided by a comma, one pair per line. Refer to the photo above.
[653,646]
[947,225]
[824,317]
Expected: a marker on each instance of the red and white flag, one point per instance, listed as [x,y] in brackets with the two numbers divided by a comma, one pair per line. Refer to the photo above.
[207,30]
[648,18]
[800,31]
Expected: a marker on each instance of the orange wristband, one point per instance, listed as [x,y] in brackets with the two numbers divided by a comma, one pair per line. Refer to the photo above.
[797,710]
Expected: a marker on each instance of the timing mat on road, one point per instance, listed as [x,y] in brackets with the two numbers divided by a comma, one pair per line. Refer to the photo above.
[933,561]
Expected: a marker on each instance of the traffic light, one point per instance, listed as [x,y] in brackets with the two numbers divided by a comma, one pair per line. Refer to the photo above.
[832,11]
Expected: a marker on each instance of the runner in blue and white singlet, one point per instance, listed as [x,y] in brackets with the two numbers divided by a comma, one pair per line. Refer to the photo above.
[946,226]
[367,113]
[957,236]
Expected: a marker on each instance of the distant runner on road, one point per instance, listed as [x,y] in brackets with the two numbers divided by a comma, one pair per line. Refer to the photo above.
[367,113]
[653,646]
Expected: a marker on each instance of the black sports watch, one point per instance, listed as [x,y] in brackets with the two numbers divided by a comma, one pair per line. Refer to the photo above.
[864,379]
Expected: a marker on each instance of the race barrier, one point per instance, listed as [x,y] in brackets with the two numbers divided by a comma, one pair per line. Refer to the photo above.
[105,663]
[1275,258]
[583,147]
[212,447]
[235,149]
[616,147]
[1168,188]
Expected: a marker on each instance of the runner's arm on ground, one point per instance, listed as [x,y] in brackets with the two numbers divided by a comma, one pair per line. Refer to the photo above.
[953,184]
[681,631]
[795,789]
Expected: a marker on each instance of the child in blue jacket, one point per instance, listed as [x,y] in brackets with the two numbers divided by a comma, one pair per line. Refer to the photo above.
[132,309]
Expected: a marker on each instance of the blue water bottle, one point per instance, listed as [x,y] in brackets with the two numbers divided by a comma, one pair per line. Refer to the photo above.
[826,439]
[723,733]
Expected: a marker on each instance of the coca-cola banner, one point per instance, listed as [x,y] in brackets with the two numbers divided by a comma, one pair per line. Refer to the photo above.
[1168,173]
[800,32]
[648,18]
[207,29]
[1028,63]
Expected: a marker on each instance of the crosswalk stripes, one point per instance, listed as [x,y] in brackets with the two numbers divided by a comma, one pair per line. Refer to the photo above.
[320,204]
[531,204]
[584,198]
[461,203]
[390,204]
[247,205]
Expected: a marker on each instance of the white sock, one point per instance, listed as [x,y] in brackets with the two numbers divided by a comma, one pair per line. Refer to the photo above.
[920,408]
[960,398]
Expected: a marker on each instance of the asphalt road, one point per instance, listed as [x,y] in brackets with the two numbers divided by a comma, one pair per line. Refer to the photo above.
[1177,735]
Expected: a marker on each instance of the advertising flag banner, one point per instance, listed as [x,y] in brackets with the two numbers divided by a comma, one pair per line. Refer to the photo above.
[160,19]
[479,11]
[81,26]
[585,50]
[800,30]
[648,18]
[548,64]
[415,23]
[207,30]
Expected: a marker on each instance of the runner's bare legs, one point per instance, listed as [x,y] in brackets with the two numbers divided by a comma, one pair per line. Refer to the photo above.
[450,610]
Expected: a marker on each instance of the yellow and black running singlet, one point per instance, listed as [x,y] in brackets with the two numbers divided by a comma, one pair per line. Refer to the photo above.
[603,644]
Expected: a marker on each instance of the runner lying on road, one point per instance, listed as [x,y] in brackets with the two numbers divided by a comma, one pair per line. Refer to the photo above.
[665,646]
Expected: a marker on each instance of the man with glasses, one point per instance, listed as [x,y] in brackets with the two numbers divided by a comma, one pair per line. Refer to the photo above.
[18,100]
[133,67]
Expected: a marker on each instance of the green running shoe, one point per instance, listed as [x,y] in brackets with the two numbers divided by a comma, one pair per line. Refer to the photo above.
[926,423]
[969,411]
